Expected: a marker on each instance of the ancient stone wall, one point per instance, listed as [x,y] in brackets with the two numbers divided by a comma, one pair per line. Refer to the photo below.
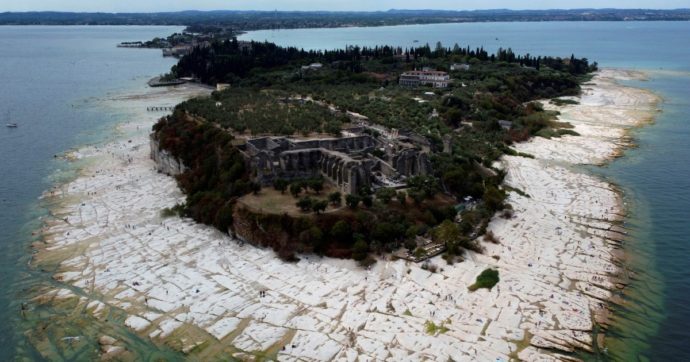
[412,162]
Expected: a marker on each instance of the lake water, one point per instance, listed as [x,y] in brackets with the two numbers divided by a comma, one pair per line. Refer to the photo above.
[55,78]
[53,82]
[655,176]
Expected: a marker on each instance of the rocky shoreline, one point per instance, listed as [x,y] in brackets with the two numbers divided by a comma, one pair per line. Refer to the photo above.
[571,205]
[204,294]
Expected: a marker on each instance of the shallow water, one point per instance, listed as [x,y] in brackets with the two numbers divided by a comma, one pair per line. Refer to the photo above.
[54,82]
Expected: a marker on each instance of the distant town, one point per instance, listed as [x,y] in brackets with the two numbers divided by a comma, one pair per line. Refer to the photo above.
[255,20]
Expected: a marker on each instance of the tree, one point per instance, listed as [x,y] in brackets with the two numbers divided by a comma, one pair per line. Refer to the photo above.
[387,232]
[295,189]
[319,206]
[412,231]
[447,233]
[305,203]
[493,198]
[410,245]
[416,195]
[385,194]
[352,201]
[312,236]
[401,196]
[335,198]
[341,231]
[316,185]
[255,187]
[280,185]
[223,219]
[360,250]
[365,191]
[426,185]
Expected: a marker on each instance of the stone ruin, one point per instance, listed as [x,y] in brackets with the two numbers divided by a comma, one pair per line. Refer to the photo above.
[349,162]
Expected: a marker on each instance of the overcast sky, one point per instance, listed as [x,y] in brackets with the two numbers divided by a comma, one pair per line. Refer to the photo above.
[174,5]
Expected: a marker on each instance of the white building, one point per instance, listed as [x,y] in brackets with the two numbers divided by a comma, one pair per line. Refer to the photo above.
[434,78]
[457,66]
[312,66]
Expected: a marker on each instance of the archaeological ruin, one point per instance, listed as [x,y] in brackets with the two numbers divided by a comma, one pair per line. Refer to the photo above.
[362,157]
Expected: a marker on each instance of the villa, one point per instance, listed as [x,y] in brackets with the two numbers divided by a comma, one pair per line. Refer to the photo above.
[434,78]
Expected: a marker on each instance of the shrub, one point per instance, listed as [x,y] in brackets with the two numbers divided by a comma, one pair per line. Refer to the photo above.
[487,279]
[490,237]
[341,231]
[493,198]
[385,194]
[305,204]
[401,196]
[360,250]
[570,132]
[296,189]
[432,329]
[561,101]
[352,201]
[172,211]
[280,185]
[367,262]
[410,245]
[287,254]
[315,184]
[319,206]
[335,198]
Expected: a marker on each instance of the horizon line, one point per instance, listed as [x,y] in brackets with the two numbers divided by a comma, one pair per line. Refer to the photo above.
[335,11]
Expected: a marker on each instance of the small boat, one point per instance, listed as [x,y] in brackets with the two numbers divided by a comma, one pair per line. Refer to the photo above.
[9,125]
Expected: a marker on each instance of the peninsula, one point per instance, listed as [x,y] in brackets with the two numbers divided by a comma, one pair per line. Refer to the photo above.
[444,172]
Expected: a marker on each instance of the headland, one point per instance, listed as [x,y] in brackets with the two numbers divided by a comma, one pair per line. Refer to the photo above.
[206,294]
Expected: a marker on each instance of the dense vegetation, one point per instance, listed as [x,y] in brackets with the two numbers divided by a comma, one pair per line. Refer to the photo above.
[264,112]
[366,225]
[232,61]
[216,174]
[273,91]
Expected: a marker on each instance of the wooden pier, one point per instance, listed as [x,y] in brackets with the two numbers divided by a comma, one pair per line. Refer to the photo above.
[160,108]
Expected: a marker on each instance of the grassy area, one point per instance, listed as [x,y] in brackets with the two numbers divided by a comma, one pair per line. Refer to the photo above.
[432,329]
[487,279]
[272,201]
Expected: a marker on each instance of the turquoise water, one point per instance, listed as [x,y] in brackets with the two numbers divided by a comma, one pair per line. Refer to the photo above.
[55,78]
[53,82]
[655,177]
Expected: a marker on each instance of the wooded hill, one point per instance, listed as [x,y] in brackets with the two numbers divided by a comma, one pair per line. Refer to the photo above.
[271,93]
